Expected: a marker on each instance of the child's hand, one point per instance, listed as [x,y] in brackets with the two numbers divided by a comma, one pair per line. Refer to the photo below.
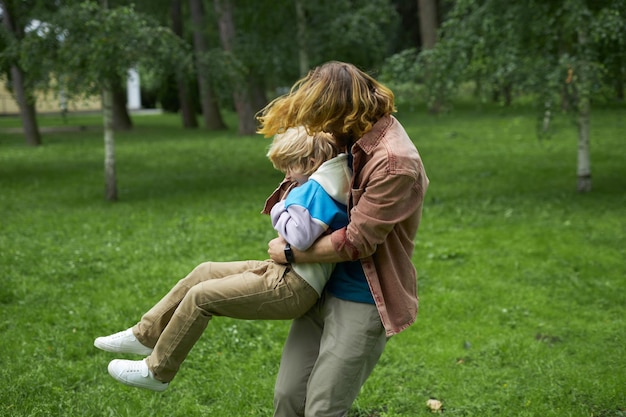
[276,250]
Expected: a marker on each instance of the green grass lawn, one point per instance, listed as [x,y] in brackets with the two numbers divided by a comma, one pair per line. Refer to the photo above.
[522,280]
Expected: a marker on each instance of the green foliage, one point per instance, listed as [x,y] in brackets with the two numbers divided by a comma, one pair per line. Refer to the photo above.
[266,42]
[82,47]
[522,297]
[79,47]
[352,31]
[228,72]
[21,15]
[401,73]
[529,47]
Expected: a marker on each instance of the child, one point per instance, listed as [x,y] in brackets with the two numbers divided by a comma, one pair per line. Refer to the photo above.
[317,182]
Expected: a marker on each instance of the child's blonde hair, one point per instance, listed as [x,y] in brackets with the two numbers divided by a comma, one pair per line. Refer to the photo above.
[297,150]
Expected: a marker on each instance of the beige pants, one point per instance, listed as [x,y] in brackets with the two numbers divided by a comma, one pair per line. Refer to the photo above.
[328,355]
[262,290]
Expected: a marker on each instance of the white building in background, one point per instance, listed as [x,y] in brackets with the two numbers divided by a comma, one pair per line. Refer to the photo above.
[133,101]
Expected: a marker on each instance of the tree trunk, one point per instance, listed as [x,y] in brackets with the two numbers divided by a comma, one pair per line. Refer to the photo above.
[508,93]
[241,96]
[619,89]
[257,92]
[187,111]
[584,109]
[547,116]
[25,101]
[427,10]
[303,56]
[584,154]
[619,80]
[110,182]
[121,118]
[210,111]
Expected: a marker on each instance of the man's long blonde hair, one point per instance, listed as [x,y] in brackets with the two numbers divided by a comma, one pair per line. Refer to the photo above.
[335,97]
[297,150]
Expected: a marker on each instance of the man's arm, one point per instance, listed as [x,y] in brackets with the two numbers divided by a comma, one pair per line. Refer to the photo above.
[321,251]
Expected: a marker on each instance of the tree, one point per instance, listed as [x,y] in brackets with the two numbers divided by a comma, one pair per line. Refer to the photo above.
[184,97]
[108,98]
[121,118]
[241,94]
[261,46]
[407,35]
[210,110]
[176,91]
[87,48]
[427,10]
[303,55]
[355,31]
[547,48]
[428,22]
[14,20]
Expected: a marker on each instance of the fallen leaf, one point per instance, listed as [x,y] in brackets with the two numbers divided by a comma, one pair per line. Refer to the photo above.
[435,406]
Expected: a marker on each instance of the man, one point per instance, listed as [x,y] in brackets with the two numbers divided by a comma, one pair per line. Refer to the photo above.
[372,293]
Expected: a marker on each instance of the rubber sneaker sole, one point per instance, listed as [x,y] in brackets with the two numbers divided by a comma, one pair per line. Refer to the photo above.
[135,374]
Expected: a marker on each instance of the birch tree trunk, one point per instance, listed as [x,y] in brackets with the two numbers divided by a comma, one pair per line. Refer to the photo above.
[584,154]
[584,109]
[210,111]
[110,182]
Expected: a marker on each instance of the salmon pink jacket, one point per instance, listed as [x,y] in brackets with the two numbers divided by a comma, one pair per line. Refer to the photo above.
[385,210]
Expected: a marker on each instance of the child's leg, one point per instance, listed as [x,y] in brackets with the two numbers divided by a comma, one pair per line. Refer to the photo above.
[268,291]
[151,325]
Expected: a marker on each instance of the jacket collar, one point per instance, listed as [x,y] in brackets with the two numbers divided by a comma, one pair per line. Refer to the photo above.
[370,140]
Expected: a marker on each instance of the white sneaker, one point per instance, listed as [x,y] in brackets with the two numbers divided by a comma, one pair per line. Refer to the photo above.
[122,342]
[135,374]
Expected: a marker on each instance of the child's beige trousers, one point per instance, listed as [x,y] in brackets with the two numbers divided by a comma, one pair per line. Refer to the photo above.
[255,290]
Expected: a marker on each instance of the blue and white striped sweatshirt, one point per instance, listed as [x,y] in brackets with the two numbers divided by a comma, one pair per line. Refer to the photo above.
[311,209]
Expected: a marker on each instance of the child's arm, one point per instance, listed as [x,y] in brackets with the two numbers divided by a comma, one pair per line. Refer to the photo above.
[296,225]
